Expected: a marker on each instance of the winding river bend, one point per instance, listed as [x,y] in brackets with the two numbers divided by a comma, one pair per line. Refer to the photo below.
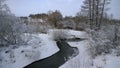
[65,53]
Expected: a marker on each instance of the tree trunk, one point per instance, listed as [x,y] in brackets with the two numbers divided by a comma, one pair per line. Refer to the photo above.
[101,18]
[93,9]
[90,18]
[97,13]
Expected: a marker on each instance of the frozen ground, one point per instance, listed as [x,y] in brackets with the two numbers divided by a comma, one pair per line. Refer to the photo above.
[40,46]
[43,45]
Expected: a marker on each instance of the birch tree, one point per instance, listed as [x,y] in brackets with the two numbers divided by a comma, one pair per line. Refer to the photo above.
[94,10]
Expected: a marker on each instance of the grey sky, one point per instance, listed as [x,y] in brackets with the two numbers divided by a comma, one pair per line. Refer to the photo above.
[66,7]
[115,8]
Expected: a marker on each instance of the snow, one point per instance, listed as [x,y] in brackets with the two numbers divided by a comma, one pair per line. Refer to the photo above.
[107,61]
[42,45]
[113,62]
[70,33]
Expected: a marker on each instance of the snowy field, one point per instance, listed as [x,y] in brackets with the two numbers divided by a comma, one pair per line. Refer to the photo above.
[42,45]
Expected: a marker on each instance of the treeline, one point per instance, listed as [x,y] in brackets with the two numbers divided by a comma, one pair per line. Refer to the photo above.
[93,14]
[53,19]
[81,21]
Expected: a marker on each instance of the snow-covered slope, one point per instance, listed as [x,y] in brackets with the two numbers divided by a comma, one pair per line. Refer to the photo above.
[106,61]
[40,46]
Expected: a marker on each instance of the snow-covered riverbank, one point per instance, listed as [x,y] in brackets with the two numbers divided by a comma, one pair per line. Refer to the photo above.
[42,45]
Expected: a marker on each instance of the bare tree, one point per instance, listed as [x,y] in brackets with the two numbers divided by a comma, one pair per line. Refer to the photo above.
[103,8]
[54,17]
[9,26]
[95,10]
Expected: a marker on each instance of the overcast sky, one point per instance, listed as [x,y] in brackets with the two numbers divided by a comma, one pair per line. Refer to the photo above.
[66,7]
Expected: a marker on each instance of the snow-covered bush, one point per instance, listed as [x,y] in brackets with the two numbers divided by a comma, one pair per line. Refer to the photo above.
[59,34]
[10,31]
[102,41]
[43,28]
[10,26]
[35,26]
[69,24]
[96,50]
[117,51]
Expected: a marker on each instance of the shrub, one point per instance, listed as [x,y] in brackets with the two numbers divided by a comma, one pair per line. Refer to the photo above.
[59,34]
[100,43]
[9,27]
